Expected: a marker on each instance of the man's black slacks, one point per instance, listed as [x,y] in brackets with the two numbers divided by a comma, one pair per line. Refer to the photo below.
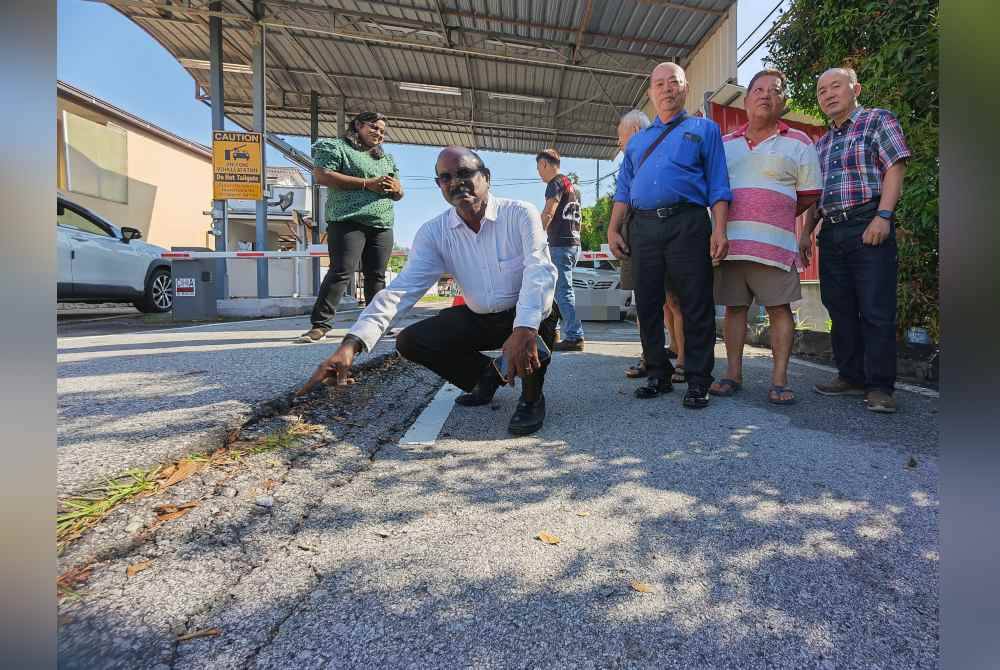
[451,343]
[675,249]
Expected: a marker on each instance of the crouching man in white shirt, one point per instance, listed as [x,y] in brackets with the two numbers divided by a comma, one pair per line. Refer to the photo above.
[497,251]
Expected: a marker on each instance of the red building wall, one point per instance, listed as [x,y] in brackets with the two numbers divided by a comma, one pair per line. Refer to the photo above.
[731,118]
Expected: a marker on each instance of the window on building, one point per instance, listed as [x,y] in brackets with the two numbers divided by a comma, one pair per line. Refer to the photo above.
[95,158]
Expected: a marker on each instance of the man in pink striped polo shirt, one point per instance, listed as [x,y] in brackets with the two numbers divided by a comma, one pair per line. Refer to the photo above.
[775,176]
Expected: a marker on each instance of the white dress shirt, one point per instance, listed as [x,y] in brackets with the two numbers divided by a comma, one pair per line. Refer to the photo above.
[505,264]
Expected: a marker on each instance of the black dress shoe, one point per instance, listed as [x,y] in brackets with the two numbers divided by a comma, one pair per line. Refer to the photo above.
[568,345]
[528,417]
[487,387]
[654,387]
[696,397]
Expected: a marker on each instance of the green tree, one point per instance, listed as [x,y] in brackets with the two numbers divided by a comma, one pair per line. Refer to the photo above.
[396,263]
[594,221]
[893,46]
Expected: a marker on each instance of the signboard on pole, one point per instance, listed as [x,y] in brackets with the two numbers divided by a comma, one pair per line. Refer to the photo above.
[236,165]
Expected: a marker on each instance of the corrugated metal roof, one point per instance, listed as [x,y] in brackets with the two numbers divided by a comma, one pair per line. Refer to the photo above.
[579,64]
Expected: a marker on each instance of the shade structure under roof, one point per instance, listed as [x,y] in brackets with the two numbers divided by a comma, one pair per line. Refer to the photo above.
[529,74]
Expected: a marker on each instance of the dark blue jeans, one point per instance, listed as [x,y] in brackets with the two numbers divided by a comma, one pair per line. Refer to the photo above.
[858,286]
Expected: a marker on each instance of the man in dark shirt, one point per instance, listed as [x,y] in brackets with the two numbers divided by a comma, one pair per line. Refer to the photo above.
[561,220]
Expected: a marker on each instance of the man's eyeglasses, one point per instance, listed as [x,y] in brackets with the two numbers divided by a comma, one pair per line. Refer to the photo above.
[373,125]
[462,175]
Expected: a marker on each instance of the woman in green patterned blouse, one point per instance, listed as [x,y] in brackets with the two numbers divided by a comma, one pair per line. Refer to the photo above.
[362,183]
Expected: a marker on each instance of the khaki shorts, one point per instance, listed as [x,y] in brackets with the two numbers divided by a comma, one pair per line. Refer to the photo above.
[737,283]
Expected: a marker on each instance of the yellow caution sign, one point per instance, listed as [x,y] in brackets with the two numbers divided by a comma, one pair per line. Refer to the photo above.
[236,166]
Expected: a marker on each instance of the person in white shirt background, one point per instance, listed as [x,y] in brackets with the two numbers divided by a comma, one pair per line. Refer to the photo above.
[497,251]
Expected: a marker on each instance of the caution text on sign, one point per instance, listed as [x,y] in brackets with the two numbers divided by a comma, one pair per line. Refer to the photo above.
[237,166]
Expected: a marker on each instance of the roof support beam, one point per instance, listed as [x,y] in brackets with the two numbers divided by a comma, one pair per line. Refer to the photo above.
[607,97]
[308,57]
[175,9]
[594,100]
[588,8]
[561,29]
[462,123]
[402,44]
[686,8]
[481,17]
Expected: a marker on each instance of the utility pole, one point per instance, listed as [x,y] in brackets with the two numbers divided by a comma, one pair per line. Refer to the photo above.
[597,184]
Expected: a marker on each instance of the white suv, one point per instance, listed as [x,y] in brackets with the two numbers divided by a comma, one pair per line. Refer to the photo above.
[99,262]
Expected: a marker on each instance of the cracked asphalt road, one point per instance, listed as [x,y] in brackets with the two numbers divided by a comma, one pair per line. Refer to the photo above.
[798,537]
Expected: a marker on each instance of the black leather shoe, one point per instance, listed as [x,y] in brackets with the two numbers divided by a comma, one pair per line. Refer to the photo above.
[487,387]
[568,345]
[528,417]
[696,397]
[654,387]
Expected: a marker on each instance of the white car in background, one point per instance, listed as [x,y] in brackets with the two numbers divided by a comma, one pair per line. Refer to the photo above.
[99,262]
[598,293]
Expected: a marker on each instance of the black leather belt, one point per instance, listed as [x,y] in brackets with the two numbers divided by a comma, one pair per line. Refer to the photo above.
[666,212]
[845,214]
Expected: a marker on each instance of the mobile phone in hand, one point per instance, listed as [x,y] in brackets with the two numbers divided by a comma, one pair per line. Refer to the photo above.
[500,362]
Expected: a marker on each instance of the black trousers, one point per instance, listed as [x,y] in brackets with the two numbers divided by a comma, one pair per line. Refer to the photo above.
[857,283]
[451,343]
[674,252]
[349,243]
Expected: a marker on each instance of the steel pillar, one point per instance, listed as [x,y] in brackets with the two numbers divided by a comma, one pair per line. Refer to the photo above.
[319,218]
[220,217]
[260,125]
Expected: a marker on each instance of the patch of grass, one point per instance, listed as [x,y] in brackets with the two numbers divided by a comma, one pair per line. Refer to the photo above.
[85,511]
[436,298]
[82,512]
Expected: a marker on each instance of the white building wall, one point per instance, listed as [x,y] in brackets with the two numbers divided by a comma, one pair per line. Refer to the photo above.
[710,65]
[713,63]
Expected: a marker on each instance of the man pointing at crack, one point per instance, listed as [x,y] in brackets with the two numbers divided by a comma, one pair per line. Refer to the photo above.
[496,249]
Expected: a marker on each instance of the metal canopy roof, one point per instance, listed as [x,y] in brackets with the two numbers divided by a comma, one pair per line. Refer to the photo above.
[520,75]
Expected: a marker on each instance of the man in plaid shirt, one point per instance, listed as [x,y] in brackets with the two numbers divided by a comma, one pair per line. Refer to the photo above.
[863,160]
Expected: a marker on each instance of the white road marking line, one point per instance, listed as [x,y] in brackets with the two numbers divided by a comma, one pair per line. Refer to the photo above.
[426,428]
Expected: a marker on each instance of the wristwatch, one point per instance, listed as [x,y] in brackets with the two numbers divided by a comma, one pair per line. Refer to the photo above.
[887,214]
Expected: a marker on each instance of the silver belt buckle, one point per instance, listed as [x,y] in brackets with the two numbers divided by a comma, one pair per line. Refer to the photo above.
[663,212]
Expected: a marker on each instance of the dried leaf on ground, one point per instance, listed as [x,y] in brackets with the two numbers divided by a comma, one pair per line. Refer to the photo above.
[74,576]
[641,587]
[548,538]
[583,513]
[136,568]
[166,513]
[167,472]
[184,470]
[207,632]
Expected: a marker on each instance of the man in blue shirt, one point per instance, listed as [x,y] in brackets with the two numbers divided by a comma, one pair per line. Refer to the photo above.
[672,172]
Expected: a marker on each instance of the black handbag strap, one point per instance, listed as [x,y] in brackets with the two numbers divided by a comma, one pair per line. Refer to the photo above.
[656,143]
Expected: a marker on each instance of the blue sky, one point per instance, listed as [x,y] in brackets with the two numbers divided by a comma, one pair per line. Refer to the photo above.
[103,53]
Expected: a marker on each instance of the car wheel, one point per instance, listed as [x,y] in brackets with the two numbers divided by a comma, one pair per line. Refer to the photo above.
[159,293]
